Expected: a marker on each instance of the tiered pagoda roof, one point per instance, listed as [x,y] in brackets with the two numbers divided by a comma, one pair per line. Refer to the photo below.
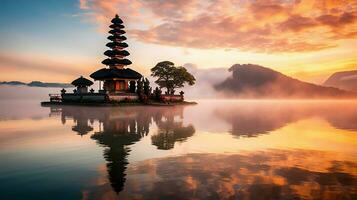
[105,73]
[116,61]
[81,81]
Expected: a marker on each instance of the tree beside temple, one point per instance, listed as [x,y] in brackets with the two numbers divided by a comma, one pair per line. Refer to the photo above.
[171,77]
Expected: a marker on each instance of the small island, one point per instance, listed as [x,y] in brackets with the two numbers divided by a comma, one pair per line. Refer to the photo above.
[120,85]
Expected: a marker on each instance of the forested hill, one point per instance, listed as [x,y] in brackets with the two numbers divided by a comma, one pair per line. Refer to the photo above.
[254,81]
[346,80]
[37,84]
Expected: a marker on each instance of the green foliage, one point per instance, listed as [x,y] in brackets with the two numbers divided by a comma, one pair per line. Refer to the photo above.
[132,86]
[141,92]
[139,87]
[147,88]
[157,93]
[171,77]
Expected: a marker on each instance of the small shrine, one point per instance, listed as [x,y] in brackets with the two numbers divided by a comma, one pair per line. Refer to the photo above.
[81,85]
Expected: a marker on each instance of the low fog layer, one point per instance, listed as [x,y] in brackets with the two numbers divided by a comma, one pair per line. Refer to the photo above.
[239,81]
[8,92]
[206,79]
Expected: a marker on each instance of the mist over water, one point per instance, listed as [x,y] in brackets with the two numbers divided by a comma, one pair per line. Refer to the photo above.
[218,149]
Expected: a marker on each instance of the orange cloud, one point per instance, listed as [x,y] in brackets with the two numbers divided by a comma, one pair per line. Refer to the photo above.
[297,23]
[259,26]
[264,9]
[337,21]
[170,9]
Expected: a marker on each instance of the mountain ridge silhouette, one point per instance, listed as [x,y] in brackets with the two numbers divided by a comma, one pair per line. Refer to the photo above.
[255,81]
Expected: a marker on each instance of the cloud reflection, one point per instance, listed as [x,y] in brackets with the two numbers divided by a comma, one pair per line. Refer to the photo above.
[274,174]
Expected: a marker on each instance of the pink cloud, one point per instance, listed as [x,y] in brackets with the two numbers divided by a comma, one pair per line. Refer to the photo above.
[260,26]
[338,20]
[262,9]
[83,4]
[297,23]
[169,9]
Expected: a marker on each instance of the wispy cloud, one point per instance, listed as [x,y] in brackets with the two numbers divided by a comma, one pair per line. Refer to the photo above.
[30,67]
[259,26]
[83,4]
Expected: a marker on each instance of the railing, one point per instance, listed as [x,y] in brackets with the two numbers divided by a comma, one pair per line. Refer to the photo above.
[55,97]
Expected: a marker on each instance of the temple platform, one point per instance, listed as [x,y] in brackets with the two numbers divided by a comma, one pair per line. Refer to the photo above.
[114,104]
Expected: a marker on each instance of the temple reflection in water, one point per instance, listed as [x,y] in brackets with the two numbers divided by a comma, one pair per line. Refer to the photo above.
[120,128]
[283,150]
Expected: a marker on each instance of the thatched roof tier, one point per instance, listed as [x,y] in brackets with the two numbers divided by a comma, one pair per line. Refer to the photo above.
[111,53]
[82,130]
[117,26]
[116,32]
[116,61]
[116,37]
[106,73]
[117,44]
[117,20]
[81,81]
[116,54]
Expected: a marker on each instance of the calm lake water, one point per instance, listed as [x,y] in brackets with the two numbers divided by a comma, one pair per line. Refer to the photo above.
[213,150]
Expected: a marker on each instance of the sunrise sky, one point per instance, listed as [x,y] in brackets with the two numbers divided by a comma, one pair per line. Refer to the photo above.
[56,41]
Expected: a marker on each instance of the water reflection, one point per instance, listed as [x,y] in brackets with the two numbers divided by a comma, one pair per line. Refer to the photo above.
[275,174]
[120,128]
[268,174]
[215,150]
[251,119]
[170,131]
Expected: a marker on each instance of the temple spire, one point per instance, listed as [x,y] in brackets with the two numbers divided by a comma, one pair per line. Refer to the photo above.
[117,45]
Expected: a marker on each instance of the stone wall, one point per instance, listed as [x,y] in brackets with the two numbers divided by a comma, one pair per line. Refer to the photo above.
[123,97]
[172,98]
[88,97]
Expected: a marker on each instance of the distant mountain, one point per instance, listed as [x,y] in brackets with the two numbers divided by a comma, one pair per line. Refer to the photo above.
[41,84]
[37,84]
[12,83]
[346,80]
[254,81]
